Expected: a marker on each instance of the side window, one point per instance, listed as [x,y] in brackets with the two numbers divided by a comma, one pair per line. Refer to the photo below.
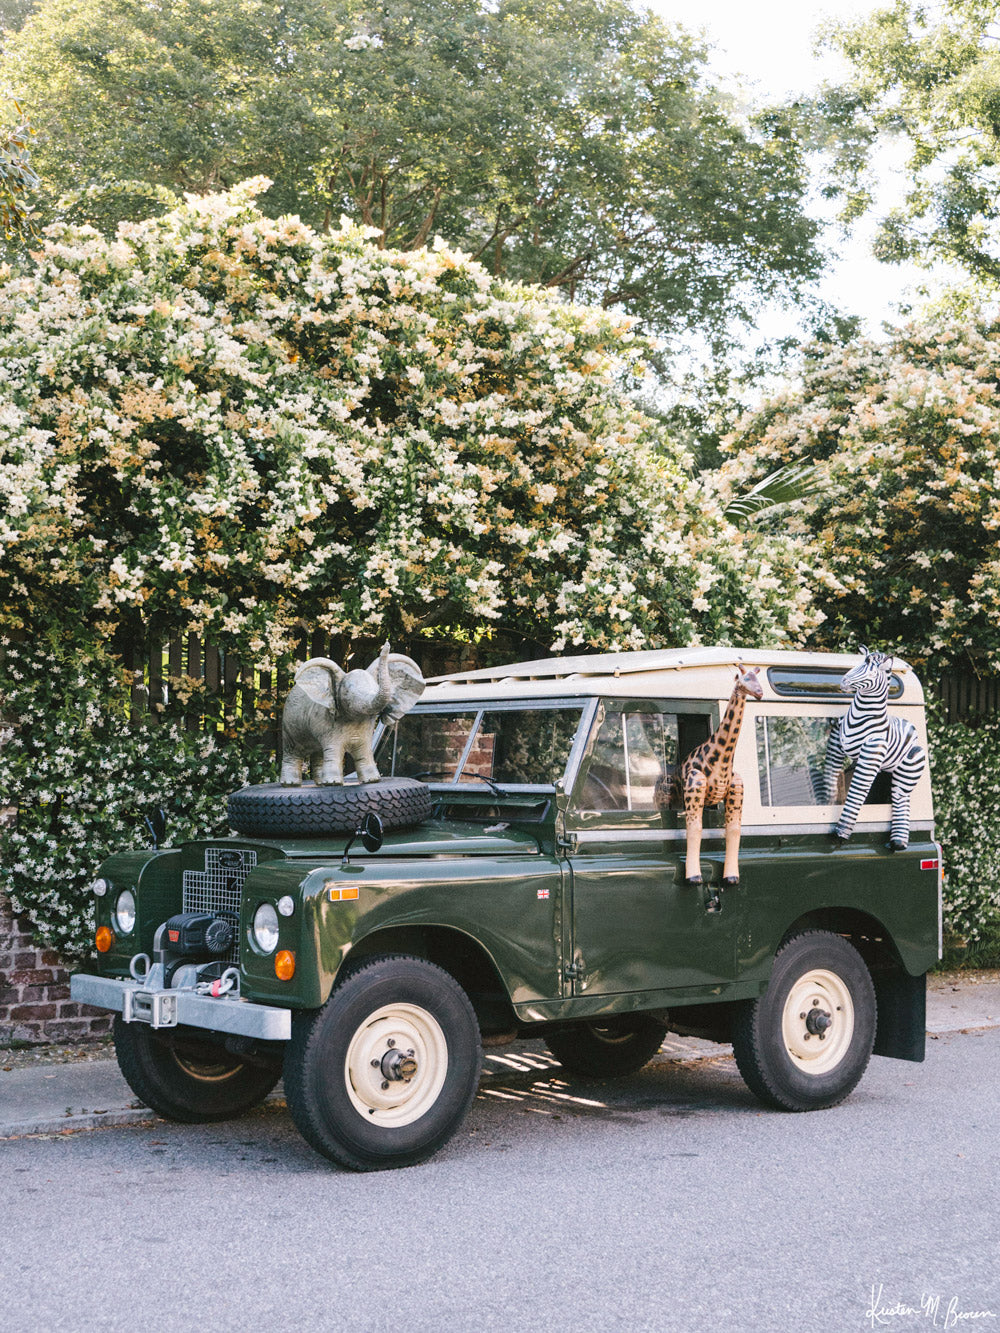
[791,755]
[632,751]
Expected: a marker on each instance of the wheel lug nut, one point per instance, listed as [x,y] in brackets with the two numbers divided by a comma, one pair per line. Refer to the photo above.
[391,1042]
[384,1086]
[376,1063]
[805,1036]
[801,1015]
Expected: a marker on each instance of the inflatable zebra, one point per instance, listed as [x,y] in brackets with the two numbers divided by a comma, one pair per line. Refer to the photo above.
[876,742]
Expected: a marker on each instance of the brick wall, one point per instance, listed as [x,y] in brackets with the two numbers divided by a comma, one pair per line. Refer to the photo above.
[34,991]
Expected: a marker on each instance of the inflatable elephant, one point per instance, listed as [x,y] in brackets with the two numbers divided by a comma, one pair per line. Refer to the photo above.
[330,713]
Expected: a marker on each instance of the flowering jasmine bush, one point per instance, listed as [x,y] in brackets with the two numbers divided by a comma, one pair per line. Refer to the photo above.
[220,424]
[224,424]
[965,776]
[907,437]
[86,785]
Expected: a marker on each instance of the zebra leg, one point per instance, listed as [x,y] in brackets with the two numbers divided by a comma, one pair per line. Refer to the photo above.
[833,766]
[869,762]
[904,778]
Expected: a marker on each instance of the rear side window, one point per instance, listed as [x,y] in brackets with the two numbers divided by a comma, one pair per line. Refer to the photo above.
[816,683]
[791,755]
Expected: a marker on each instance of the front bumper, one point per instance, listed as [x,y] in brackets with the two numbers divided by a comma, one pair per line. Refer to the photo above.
[170,1008]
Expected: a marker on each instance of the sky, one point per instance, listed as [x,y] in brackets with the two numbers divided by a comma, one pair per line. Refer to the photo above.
[769,45]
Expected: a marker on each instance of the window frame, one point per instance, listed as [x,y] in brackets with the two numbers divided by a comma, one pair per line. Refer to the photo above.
[582,817]
[478,708]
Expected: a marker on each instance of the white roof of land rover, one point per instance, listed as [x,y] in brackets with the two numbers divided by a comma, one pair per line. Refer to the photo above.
[697,673]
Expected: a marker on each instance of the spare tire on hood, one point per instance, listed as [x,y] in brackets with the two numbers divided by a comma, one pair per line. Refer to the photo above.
[270,810]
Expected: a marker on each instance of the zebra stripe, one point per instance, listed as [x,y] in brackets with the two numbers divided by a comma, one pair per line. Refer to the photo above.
[876,742]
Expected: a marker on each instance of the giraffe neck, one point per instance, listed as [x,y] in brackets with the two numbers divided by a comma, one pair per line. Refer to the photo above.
[729,727]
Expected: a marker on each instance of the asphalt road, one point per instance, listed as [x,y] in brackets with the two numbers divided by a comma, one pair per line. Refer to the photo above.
[666,1201]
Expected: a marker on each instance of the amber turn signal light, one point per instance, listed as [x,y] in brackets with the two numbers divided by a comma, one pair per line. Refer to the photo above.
[284,965]
[104,939]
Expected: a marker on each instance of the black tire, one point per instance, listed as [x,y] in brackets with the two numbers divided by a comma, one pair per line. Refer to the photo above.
[609,1049]
[799,1055]
[181,1076]
[345,1096]
[269,809]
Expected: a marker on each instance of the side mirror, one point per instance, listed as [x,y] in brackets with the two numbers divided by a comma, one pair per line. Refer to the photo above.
[371,833]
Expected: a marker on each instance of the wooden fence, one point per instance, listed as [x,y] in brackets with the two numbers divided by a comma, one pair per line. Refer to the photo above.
[212,690]
[966,697]
[188,678]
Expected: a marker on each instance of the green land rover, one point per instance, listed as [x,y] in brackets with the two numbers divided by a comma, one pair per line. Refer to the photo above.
[545,894]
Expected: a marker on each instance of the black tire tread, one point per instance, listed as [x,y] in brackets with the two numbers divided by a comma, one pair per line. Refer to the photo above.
[146,1069]
[268,809]
[580,1050]
[752,1060]
[304,1049]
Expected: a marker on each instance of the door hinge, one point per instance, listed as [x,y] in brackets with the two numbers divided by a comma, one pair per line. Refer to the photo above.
[574,971]
[567,842]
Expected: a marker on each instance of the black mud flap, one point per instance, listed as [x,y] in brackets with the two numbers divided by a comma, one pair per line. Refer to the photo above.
[902,1015]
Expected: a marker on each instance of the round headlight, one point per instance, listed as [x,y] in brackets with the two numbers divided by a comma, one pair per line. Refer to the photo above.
[125,912]
[286,905]
[100,887]
[265,928]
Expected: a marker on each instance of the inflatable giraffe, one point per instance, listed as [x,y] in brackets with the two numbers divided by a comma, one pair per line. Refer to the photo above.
[706,777]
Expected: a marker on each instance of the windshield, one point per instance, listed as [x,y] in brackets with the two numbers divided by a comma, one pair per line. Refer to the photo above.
[507,746]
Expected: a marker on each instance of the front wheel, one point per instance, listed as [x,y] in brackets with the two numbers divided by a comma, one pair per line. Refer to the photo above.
[611,1049]
[181,1076]
[384,1074]
[806,1042]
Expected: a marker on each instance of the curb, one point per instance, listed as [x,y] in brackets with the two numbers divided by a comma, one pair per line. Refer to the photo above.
[69,1124]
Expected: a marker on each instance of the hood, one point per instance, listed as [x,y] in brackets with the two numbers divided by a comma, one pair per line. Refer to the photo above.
[433,838]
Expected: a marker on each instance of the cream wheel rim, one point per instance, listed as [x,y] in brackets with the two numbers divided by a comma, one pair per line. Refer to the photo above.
[818,1021]
[396,1065]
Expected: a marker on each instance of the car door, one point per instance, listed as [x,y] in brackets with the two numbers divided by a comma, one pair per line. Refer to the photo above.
[635,925]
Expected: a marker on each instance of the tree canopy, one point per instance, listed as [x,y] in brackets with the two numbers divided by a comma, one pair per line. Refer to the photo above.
[579,144]
[929,74]
[905,436]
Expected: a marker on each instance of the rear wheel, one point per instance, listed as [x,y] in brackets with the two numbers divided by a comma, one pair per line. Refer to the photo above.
[805,1044]
[610,1049]
[181,1076]
[384,1074]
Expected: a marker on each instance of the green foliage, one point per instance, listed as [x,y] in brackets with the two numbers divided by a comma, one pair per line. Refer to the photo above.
[905,436]
[85,783]
[929,74]
[578,145]
[17,179]
[965,777]
[224,425]
[794,481]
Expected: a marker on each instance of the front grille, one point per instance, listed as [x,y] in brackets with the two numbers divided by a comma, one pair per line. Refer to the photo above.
[218,887]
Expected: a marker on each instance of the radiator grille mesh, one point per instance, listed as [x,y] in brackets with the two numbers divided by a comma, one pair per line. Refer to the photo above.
[218,887]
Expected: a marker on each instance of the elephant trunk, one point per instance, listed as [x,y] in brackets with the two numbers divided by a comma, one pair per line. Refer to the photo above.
[383,699]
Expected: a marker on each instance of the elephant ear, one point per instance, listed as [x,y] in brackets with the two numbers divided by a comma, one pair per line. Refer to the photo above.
[319,678]
[407,686]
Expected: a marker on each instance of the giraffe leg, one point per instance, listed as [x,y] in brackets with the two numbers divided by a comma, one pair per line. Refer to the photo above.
[695,790]
[734,812]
